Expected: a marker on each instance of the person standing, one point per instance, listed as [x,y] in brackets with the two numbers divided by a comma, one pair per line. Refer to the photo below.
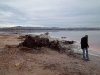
[85,46]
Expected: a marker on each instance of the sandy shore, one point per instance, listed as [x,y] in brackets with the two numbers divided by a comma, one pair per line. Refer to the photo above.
[14,61]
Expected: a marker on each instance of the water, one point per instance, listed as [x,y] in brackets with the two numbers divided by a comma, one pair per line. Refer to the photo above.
[93,39]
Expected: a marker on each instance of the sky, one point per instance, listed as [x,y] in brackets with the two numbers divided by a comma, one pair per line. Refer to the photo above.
[50,13]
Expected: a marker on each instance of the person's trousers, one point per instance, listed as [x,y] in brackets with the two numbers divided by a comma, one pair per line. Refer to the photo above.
[85,53]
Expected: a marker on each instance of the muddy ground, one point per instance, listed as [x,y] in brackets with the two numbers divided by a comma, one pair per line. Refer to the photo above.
[41,61]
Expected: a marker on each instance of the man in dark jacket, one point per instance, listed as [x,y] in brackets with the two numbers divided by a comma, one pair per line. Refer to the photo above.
[85,46]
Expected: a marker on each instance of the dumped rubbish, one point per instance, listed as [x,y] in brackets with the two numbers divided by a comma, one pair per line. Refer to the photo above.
[63,37]
[68,42]
[46,33]
[22,37]
[38,42]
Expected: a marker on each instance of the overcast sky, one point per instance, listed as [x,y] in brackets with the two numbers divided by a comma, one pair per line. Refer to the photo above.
[50,13]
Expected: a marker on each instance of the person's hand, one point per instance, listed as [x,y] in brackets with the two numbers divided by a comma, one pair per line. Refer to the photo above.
[88,46]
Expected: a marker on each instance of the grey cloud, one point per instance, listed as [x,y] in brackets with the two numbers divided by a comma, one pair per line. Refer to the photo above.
[51,12]
[16,15]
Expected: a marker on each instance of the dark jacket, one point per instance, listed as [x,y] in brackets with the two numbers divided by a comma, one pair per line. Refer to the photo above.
[84,42]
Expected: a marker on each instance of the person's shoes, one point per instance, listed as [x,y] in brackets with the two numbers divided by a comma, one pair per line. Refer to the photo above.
[87,59]
[83,59]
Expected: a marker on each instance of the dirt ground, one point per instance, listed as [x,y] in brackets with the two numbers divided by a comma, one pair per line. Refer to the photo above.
[43,61]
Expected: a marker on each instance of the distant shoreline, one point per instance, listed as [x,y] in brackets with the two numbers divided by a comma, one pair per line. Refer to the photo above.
[47,29]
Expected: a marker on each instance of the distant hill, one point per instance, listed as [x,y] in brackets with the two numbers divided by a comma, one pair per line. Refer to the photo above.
[17,26]
[46,28]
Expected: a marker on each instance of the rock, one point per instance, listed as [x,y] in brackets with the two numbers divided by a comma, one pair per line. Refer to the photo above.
[17,64]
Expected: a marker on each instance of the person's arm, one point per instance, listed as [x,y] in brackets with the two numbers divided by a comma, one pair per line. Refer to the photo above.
[81,41]
[87,43]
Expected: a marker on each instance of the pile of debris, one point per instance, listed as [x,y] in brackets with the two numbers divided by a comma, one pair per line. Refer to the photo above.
[38,42]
